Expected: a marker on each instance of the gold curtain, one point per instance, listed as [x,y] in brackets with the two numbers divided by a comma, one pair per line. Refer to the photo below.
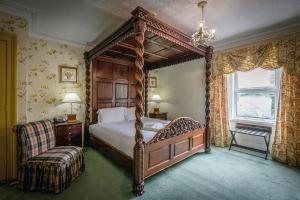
[268,55]
[219,112]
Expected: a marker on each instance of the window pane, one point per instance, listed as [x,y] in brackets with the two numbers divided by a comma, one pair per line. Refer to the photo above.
[256,105]
[256,78]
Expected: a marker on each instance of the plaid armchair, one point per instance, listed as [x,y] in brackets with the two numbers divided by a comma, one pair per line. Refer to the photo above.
[41,165]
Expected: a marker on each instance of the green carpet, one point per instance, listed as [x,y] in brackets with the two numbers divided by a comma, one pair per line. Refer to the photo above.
[221,175]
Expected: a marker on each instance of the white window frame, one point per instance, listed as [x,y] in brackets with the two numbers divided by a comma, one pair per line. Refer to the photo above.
[232,100]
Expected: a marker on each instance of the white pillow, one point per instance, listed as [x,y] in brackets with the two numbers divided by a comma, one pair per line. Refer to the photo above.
[130,113]
[109,115]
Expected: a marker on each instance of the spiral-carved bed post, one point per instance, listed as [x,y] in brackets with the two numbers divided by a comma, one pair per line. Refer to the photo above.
[87,98]
[138,160]
[208,59]
[146,92]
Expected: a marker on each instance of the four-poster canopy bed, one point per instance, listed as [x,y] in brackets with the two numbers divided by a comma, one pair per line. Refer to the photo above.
[118,78]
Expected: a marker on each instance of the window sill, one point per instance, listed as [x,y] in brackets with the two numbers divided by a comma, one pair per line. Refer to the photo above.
[253,121]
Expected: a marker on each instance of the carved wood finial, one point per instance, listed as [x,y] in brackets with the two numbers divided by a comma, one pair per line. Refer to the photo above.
[138,184]
[208,59]
[88,95]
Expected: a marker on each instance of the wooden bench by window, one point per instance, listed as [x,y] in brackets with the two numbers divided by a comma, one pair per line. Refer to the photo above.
[253,130]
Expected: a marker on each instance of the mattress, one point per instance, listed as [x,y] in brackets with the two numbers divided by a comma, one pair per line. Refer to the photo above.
[121,134]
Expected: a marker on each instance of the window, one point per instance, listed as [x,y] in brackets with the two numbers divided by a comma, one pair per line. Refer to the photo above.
[255,94]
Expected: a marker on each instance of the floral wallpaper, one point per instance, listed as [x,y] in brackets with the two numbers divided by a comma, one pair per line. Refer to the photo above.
[39,92]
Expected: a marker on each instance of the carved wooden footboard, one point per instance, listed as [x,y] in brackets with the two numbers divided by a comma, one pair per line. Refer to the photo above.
[180,139]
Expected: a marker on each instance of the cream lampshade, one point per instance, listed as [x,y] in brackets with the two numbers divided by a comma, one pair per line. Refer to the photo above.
[156,98]
[71,98]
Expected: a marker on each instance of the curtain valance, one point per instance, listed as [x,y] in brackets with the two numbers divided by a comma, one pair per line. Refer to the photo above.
[269,55]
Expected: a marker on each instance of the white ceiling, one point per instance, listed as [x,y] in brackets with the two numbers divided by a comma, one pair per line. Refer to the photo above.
[90,21]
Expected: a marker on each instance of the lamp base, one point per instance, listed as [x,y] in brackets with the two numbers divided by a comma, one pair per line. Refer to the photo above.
[71,117]
[156,110]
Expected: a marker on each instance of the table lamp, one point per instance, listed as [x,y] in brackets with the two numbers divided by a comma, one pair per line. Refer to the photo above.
[156,98]
[71,98]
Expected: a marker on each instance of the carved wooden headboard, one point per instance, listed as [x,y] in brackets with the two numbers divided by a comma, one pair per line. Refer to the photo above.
[113,84]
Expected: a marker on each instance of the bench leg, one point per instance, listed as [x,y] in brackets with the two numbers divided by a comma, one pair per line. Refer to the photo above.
[267,144]
[232,139]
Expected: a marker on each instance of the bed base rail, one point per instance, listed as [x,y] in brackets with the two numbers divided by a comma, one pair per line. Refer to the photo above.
[114,154]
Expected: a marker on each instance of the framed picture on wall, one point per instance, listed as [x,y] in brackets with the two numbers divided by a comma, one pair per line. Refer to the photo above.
[152,82]
[68,74]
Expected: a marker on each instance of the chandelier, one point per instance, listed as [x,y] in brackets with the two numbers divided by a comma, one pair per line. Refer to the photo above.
[203,35]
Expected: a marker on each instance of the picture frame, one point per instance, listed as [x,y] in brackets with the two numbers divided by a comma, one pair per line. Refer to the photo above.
[152,82]
[68,74]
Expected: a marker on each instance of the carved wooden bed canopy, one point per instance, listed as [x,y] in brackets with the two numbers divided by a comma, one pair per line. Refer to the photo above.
[150,44]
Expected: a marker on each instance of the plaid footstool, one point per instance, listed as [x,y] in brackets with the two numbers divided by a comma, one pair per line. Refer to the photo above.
[42,166]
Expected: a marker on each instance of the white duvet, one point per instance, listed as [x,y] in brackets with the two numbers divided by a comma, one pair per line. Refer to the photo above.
[121,134]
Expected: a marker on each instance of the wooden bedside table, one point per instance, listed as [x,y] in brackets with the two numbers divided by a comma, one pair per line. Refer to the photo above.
[68,133]
[162,116]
